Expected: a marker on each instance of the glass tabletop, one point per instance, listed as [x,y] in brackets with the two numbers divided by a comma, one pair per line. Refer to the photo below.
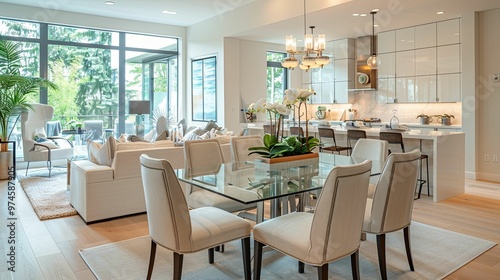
[248,182]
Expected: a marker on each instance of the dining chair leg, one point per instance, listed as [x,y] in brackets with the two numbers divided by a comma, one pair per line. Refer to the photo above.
[381,255]
[301,267]
[323,272]
[178,258]
[406,232]
[355,265]
[211,255]
[245,249]
[152,255]
[257,259]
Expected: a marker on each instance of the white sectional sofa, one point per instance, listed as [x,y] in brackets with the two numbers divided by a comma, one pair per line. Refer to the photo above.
[101,192]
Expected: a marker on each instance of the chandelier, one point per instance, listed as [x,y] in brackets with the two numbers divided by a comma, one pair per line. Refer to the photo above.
[373,61]
[312,53]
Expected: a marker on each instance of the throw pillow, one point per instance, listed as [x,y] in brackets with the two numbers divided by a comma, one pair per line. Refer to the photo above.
[122,138]
[101,154]
[149,136]
[136,138]
[48,143]
[162,136]
[40,133]
[192,135]
[210,125]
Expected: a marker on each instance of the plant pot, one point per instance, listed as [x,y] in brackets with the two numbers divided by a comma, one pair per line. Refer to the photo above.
[425,120]
[286,162]
[6,163]
[444,120]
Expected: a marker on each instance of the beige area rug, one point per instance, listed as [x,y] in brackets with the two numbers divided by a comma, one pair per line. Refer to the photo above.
[436,254]
[48,196]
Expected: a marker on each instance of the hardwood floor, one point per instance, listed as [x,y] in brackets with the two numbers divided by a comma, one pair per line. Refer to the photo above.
[49,249]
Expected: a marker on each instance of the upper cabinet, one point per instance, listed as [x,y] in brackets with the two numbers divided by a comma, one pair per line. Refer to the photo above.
[331,83]
[421,63]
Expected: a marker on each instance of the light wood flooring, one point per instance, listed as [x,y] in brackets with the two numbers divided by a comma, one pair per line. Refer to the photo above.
[49,249]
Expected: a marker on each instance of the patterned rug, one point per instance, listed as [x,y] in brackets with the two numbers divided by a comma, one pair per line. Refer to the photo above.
[48,196]
[436,253]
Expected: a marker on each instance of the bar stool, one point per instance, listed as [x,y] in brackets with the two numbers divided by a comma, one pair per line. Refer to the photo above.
[296,131]
[268,129]
[397,138]
[354,134]
[330,134]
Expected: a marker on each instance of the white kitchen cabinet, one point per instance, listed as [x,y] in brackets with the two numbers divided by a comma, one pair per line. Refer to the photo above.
[405,89]
[448,59]
[425,61]
[405,39]
[448,32]
[342,95]
[448,88]
[343,69]
[387,66]
[405,63]
[425,36]
[386,42]
[343,48]
[425,88]
[386,92]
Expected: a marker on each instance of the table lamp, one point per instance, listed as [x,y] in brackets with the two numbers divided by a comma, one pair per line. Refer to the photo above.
[139,108]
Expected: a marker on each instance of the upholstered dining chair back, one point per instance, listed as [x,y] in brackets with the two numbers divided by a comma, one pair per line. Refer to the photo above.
[339,213]
[168,213]
[202,157]
[372,149]
[240,145]
[394,195]
[268,129]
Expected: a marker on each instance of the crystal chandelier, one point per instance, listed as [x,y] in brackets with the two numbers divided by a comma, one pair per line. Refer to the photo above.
[373,61]
[312,53]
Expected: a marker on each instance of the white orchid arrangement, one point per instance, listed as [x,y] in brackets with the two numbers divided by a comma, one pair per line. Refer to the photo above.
[300,96]
[291,145]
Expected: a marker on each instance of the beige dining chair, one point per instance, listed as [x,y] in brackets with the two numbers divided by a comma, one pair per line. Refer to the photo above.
[391,207]
[204,157]
[330,233]
[173,226]
[240,145]
[373,149]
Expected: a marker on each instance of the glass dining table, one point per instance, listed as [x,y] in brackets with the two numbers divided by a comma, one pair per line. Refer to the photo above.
[253,182]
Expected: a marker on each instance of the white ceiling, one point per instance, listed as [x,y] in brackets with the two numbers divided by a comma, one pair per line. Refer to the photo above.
[334,20]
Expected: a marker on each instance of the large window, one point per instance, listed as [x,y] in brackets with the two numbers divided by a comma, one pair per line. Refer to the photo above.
[204,90]
[277,78]
[98,71]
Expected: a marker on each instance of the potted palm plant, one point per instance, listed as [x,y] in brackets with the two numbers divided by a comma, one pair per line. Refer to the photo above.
[14,89]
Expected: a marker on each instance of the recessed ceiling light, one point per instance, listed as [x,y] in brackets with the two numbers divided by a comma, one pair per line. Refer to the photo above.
[362,15]
[375,25]
[375,10]
[355,15]
[169,12]
[109,3]
[440,13]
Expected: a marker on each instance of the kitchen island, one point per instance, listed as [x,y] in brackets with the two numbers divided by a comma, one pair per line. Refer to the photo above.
[446,151]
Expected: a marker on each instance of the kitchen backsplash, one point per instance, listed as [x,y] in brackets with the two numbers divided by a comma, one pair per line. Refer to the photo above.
[367,105]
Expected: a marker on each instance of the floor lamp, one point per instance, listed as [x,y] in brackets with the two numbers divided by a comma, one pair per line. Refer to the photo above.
[139,108]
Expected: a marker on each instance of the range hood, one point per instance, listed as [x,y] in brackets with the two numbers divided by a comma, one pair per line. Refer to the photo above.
[365,78]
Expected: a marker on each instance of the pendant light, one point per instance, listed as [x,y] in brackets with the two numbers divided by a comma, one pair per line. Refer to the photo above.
[373,61]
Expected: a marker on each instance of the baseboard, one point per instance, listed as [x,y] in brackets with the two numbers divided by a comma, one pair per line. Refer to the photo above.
[470,175]
[488,177]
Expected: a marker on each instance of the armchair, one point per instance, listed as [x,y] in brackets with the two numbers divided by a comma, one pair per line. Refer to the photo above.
[35,120]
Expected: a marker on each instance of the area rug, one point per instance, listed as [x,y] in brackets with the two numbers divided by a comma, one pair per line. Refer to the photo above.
[436,254]
[48,196]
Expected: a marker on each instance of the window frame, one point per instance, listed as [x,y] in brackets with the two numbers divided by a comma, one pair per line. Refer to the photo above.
[193,61]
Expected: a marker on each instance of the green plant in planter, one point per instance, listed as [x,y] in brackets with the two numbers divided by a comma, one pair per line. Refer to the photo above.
[14,87]
[74,124]
[288,147]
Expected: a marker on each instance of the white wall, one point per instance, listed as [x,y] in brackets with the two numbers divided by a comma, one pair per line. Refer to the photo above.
[488,96]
